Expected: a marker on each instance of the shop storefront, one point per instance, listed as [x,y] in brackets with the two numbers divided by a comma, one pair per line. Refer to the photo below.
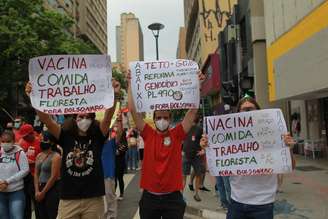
[210,90]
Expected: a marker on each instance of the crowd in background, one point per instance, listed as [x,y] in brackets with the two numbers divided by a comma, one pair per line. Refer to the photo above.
[71,168]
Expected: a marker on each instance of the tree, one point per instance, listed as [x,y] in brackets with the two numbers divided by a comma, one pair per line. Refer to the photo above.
[120,77]
[28,30]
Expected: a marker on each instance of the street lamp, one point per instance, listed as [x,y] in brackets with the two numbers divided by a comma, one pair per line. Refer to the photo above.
[155,28]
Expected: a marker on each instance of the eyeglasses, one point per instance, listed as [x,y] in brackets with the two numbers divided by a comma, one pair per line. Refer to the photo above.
[246,109]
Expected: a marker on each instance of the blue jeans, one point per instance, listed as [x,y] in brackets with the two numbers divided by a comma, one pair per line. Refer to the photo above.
[133,157]
[224,190]
[12,204]
[243,211]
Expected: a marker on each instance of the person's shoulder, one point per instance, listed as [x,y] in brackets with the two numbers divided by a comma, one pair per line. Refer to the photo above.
[148,128]
[177,128]
[56,156]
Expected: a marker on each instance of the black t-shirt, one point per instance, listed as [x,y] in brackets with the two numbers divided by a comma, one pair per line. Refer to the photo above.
[191,143]
[81,170]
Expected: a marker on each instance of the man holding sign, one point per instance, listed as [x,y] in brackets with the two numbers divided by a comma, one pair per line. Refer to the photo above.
[81,137]
[253,187]
[161,176]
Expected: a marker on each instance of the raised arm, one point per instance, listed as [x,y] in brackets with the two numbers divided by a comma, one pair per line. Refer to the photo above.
[105,123]
[189,118]
[137,117]
[51,124]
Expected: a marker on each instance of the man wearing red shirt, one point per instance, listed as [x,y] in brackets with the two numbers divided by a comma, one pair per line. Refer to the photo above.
[161,175]
[30,143]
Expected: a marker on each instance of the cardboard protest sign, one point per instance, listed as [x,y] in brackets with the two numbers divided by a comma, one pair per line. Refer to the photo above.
[248,143]
[67,84]
[164,85]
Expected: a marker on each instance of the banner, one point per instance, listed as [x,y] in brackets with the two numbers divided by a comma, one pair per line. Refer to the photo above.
[68,84]
[247,143]
[165,85]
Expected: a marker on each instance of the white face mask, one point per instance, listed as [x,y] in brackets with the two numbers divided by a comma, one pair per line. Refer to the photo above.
[7,146]
[84,124]
[162,124]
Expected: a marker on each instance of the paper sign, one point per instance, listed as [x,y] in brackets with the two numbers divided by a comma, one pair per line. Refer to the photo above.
[248,143]
[164,85]
[68,84]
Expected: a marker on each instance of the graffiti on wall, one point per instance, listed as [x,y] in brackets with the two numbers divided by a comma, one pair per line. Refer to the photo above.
[219,17]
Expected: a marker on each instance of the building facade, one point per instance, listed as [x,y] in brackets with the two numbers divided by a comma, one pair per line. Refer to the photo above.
[204,19]
[90,19]
[181,49]
[129,40]
[243,53]
[297,57]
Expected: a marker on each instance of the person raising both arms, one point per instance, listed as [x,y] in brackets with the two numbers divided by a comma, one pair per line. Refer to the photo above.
[161,173]
[82,179]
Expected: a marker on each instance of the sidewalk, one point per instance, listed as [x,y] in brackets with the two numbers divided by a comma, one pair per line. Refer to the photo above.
[304,196]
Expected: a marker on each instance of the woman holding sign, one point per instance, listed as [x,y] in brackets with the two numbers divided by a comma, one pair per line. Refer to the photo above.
[82,179]
[253,196]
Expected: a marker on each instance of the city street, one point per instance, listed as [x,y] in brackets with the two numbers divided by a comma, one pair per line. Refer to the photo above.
[138,94]
[303,195]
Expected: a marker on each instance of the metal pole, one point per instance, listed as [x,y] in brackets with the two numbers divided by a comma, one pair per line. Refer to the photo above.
[156,39]
[238,59]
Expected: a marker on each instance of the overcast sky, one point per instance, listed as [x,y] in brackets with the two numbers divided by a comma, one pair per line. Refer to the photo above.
[167,12]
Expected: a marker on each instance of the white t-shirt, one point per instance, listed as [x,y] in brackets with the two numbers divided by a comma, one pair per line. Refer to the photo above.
[254,190]
[140,142]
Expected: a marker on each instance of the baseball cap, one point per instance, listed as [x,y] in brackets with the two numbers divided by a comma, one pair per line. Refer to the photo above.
[25,130]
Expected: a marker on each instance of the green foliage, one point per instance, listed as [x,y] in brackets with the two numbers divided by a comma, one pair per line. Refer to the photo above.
[28,30]
[120,77]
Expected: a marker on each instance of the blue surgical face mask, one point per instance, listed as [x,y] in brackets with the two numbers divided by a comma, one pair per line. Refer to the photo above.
[17,125]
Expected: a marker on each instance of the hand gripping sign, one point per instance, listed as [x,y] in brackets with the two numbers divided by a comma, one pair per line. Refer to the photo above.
[67,84]
[248,143]
[164,85]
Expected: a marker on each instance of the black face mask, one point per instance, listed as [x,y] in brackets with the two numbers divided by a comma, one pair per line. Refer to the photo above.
[45,146]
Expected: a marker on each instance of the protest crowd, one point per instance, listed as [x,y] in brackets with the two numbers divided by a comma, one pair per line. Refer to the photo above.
[73,165]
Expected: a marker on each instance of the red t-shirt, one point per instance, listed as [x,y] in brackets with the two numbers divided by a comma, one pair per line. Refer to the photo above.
[162,165]
[17,136]
[32,150]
